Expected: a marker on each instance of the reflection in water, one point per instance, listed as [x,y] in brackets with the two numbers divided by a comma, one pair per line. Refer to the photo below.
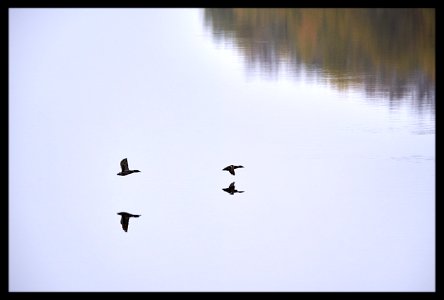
[389,53]
[232,189]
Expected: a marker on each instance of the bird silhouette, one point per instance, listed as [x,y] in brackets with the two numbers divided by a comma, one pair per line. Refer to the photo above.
[231,189]
[125,169]
[231,168]
[125,219]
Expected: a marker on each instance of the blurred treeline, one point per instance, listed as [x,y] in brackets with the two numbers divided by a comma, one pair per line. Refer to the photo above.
[390,51]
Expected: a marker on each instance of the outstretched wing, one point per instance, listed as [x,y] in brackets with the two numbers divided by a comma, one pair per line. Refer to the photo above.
[124,221]
[124,165]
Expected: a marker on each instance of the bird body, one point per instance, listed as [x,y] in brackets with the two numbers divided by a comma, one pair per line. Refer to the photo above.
[124,220]
[231,189]
[125,169]
[231,168]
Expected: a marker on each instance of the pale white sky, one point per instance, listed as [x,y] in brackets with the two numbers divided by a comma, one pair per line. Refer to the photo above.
[339,193]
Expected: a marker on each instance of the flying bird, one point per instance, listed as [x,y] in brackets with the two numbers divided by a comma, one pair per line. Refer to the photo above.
[125,219]
[231,189]
[231,168]
[125,169]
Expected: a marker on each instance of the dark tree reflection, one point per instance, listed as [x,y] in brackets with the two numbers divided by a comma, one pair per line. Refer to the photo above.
[387,52]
